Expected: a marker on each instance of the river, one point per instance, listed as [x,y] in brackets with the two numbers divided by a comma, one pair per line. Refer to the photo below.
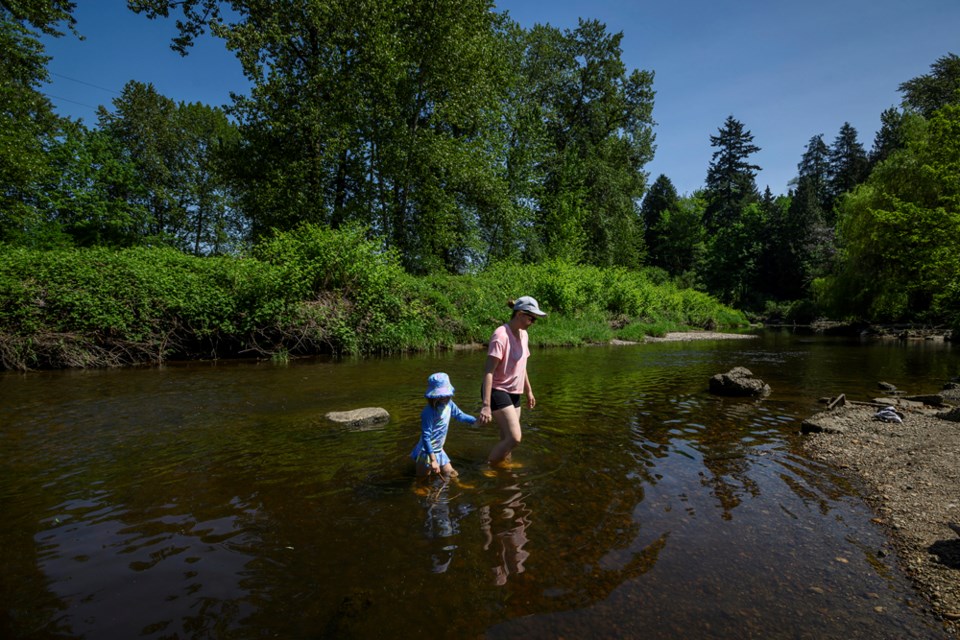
[214,500]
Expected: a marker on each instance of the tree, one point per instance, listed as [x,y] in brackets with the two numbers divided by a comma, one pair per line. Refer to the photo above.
[208,140]
[681,244]
[889,137]
[927,93]
[45,15]
[813,173]
[899,232]
[143,124]
[731,179]
[28,124]
[178,153]
[599,122]
[733,258]
[848,166]
[386,113]
[94,192]
[661,200]
[788,225]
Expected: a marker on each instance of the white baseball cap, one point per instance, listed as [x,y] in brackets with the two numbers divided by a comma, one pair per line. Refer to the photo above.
[528,305]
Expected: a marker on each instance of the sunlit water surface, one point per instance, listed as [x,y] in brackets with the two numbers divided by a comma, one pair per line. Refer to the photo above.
[215,501]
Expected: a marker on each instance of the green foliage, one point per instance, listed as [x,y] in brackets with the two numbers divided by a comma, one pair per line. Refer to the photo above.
[45,15]
[27,126]
[899,231]
[306,291]
[348,293]
[927,93]
[598,120]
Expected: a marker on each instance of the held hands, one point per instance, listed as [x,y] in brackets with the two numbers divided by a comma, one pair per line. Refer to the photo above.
[485,415]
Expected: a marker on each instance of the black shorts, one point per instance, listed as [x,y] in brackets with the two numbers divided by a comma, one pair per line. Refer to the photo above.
[500,399]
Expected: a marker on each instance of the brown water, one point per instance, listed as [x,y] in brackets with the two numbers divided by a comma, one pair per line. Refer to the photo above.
[215,501]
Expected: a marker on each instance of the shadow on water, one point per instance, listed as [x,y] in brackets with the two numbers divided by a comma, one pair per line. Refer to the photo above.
[216,501]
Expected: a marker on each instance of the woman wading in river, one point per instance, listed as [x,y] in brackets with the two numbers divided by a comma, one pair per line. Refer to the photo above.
[505,378]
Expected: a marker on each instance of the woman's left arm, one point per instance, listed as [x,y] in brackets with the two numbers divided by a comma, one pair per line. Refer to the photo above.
[527,389]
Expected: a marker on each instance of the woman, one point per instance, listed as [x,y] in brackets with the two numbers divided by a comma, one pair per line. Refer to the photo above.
[505,377]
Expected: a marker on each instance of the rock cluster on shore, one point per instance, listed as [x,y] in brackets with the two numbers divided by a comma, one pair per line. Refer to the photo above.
[910,472]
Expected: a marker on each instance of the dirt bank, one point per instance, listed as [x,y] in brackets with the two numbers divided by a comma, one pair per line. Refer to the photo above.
[909,472]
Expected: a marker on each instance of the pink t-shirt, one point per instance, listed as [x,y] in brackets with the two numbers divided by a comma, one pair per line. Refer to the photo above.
[510,374]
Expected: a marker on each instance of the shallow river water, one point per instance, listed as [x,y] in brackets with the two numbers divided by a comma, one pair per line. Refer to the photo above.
[213,500]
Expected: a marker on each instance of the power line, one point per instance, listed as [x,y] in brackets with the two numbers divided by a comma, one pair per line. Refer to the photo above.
[82,104]
[60,75]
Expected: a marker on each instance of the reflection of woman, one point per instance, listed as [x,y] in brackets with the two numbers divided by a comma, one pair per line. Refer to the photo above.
[511,555]
[505,377]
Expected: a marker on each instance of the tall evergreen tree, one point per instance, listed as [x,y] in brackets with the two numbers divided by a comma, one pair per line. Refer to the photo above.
[814,172]
[789,241]
[731,178]
[661,200]
[889,137]
[848,166]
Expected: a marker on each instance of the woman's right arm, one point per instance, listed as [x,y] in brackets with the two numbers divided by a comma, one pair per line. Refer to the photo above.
[487,389]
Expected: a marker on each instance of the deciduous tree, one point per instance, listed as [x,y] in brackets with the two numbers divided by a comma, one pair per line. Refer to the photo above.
[927,93]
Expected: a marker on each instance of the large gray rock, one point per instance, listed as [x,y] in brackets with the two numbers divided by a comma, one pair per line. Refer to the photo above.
[739,381]
[365,417]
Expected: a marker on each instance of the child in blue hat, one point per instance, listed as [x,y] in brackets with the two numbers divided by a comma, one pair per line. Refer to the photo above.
[434,423]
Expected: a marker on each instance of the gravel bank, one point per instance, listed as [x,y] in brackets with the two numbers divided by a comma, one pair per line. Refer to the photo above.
[909,473]
[699,335]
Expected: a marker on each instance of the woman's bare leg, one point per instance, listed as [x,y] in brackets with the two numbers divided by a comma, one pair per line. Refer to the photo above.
[508,419]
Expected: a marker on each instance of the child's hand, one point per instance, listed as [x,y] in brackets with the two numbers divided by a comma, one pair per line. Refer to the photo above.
[435,467]
[485,415]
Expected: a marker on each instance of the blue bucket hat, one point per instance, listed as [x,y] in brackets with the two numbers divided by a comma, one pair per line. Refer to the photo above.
[438,386]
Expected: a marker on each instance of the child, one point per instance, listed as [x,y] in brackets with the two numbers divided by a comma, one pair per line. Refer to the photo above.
[434,423]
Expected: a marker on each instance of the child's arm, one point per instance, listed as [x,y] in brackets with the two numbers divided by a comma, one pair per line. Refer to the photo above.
[426,430]
[459,415]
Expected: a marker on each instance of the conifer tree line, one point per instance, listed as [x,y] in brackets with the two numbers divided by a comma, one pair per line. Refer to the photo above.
[458,139]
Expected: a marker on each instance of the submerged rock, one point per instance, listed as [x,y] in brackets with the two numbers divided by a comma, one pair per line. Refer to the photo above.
[739,381]
[360,417]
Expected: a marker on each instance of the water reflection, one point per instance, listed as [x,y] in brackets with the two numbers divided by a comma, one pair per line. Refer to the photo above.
[444,513]
[504,526]
[215,501]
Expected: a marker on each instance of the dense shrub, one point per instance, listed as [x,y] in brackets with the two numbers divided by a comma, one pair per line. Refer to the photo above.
[308,291]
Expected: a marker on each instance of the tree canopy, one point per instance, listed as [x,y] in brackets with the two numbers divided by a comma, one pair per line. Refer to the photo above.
[455,140]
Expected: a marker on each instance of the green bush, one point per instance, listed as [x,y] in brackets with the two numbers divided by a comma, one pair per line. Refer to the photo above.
[307,291]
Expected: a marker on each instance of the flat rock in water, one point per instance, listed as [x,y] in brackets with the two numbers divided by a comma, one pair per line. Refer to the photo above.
[360,417]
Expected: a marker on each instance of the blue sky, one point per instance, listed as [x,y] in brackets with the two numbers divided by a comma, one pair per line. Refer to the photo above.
[786,70]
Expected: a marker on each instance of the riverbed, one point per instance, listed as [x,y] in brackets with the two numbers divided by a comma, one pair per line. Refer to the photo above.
[214,500]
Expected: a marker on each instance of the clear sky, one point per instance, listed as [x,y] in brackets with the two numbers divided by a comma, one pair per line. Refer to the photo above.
[788,70]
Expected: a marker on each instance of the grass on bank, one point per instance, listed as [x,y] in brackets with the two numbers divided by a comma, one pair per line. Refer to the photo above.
[308,291]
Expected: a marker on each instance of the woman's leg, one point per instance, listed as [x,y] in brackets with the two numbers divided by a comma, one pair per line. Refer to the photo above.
[508,420]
